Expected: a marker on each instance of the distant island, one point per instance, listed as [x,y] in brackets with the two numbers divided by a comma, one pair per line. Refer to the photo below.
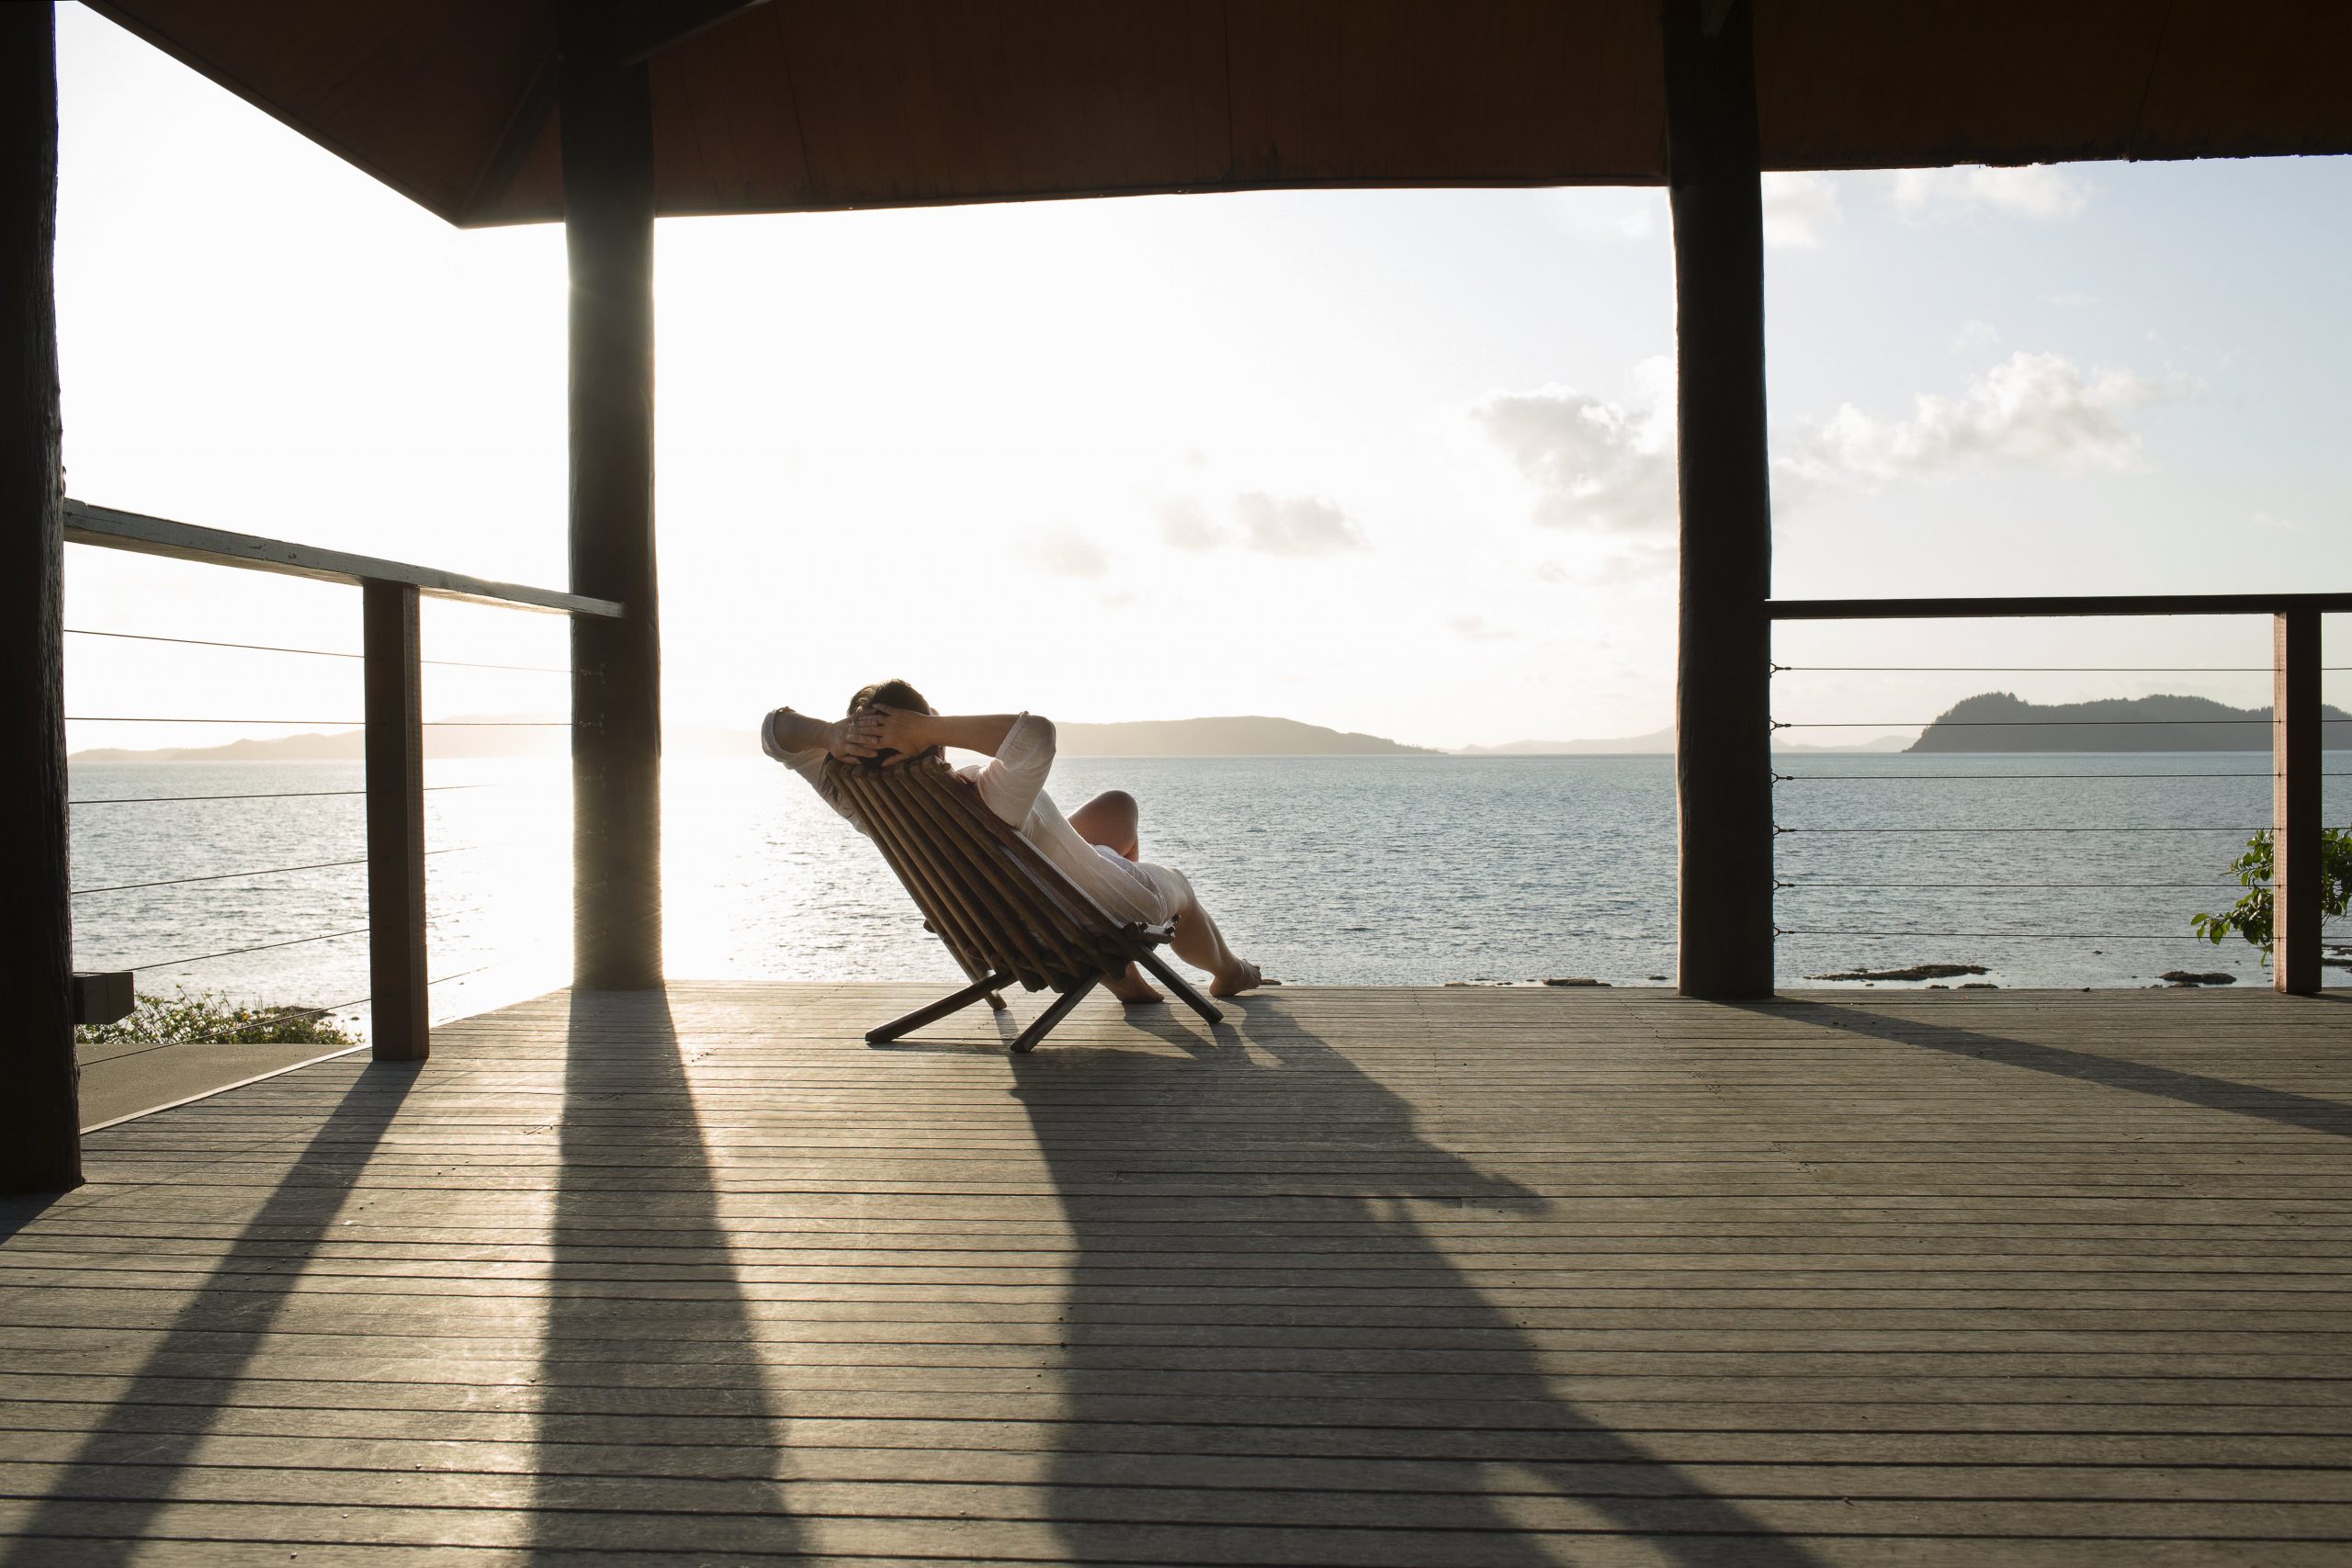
[1656,743]
[2002,721]
[532,735]
[1237,736]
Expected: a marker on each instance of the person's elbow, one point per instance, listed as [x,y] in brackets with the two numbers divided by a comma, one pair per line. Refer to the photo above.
[1030,744]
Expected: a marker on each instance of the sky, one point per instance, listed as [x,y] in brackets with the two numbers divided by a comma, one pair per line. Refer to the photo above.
[1392,461]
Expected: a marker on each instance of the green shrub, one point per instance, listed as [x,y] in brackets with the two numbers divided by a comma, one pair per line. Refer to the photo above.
[2250,916]
[187,1018]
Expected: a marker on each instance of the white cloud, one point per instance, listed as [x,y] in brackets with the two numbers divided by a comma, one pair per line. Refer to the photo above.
[2037,190]
[1295,525]
[1603,470]
[1184,525]
[2071,299]
[2029,410]
[1797,207]
[1596,467]
[1476,629]
[1975,337]
[1064,552]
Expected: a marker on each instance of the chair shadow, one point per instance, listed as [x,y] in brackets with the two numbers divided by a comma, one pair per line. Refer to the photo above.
[2281,1106]
[192,1375]
[1270,1358]
[650,1340]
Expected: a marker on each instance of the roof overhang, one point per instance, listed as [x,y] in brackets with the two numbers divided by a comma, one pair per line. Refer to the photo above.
[812,104]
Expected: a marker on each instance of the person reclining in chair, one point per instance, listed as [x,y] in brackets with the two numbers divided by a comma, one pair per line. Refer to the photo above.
[1096,846]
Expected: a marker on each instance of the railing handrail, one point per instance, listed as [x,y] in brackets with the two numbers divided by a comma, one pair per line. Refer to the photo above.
[104,526]
[2058,604]
[392,676]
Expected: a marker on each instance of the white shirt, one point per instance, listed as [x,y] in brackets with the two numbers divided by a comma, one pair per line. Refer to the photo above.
[1012,784]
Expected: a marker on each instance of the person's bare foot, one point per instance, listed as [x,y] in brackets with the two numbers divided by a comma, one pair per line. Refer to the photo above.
[1246,975]
[1133,988]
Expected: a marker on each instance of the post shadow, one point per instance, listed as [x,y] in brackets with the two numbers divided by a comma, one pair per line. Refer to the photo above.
[194,1371]
[2282,1106]
[1311,1416]
[656,1430]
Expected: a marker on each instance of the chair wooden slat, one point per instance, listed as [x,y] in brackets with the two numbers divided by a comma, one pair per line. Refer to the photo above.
[1081,944]
[998,904]
[962,897]
[938,898]
[1073,908]
[953,847]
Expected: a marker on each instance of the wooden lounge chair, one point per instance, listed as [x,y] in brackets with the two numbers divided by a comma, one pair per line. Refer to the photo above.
[1002,908]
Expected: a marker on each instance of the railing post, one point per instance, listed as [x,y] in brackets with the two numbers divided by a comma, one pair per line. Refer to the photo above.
[2295,756]
[1722,764]
[395,742]
[41,1141]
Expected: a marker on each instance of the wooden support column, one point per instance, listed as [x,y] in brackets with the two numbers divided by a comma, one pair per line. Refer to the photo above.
[607,126]
[1722,745]
[395,740]
[40,1148]
[2295,756]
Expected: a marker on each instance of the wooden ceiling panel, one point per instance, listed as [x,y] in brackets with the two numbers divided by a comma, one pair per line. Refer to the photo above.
[2234,80]
[414,92]
[1861,84]
[916,101]
[731,129]
[1376,91]
[806,104]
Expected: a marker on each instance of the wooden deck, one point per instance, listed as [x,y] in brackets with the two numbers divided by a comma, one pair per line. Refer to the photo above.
[1394,1277]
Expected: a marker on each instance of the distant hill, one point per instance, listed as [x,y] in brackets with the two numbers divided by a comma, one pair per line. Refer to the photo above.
[1239,736]
[1654,742]
[2002,721]
[515,735]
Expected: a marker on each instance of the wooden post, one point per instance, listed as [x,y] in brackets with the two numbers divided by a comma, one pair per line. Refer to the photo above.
[608,128]
[2295,756]
[395,742]
[1722,728]
[40,1148]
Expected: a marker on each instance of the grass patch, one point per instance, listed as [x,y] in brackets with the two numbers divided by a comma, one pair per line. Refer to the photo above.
[206,1018]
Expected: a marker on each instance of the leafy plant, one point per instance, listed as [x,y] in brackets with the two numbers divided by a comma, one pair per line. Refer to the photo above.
[2250,917]
[198,1017]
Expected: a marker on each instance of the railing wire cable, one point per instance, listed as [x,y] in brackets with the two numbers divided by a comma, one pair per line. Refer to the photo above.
[313,652]
[280,869]
[241,951]
[2043,668]
[266,794]
[347,723]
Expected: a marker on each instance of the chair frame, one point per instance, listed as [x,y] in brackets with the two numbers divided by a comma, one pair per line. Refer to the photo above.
[1003,910]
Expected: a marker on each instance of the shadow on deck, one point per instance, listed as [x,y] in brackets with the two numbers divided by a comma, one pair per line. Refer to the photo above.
[1363,1277]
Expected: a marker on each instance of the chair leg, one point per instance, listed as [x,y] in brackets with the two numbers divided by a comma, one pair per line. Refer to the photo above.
[983,987]
[1182,987]
[1053,1015]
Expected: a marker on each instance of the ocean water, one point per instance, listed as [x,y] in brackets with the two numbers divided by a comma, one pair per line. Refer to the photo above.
[1340,870]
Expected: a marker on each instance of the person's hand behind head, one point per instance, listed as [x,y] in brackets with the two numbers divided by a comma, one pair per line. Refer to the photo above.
[857,737]
[899,734]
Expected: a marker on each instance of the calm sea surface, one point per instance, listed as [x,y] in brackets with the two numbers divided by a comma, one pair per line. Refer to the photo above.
[1391,871]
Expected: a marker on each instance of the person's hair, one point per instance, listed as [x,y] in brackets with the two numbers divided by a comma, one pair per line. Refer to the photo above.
[888,694]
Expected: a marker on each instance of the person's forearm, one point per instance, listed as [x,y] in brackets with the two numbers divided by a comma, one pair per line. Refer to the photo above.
[979,732]
[799,732]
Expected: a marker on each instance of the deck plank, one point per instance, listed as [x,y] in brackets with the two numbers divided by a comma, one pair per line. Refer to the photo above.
[1449,1276]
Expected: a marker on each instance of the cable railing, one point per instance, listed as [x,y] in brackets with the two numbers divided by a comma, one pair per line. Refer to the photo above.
[391,820]
[2040,845]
